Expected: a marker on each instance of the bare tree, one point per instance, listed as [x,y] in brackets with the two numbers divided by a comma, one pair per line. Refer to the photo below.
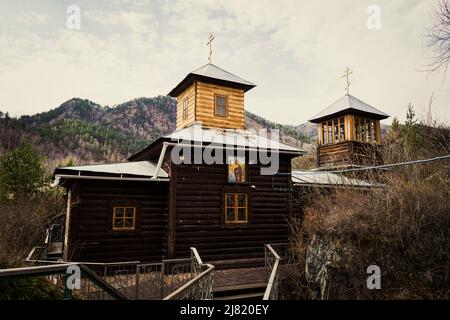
[440,36]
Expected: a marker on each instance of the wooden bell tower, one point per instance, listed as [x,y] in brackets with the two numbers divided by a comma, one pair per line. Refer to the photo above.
[211,96]
[348,132]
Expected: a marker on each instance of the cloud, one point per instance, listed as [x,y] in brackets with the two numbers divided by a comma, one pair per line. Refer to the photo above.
[295,53]
[33,19]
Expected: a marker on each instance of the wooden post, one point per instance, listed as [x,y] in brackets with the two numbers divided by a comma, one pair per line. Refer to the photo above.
[66,229]
[377,124]
[319,132]
[172,212]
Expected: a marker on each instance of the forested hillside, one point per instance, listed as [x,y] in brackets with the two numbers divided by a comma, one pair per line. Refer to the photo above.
[86,132]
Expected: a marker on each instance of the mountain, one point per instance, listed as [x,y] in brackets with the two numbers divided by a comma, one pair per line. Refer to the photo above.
[87,132]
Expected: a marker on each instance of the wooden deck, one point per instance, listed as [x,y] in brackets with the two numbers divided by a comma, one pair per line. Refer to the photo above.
[236,277]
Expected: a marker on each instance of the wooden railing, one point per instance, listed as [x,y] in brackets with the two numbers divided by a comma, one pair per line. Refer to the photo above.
[280,263]
[272,262]
[187,278]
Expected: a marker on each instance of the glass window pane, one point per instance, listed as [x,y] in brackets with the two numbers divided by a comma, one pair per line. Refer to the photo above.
[363,131]
[241,200]
[335,131]
[230,214]
[324,133]
[129,212]
[128,223]
[230,200]
[241,214]
[330,133]
[118,223]
[119,212]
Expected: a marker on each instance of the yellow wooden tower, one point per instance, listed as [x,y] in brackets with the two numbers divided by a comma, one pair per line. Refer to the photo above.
[212,97]
[348,131]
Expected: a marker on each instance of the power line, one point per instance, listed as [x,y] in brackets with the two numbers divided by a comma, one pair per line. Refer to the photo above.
[386,166]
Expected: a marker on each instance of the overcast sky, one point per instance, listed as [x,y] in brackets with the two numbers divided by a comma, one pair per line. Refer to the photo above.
[295,51]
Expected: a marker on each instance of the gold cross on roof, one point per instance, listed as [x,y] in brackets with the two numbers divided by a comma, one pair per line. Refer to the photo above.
[347,72]
[209,43]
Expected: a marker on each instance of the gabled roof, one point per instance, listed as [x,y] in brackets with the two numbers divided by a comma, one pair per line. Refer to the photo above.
[346,104]
[208,136]
[327,179]
[128,169]
[212,74]
[231,137]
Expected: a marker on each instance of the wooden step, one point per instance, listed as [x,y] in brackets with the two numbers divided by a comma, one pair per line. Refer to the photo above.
[258,285]
[238,263]
[245,296]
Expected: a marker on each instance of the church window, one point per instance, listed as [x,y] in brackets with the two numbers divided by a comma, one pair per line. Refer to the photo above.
[341,129]
[330,132]
[220,106]
[375,134]
[124,218]
[236,208]
[335,131]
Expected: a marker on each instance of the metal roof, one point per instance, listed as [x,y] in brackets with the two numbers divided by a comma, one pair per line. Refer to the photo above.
[324,178]
[230,137]
[348,103]
[139,168]
[214,74]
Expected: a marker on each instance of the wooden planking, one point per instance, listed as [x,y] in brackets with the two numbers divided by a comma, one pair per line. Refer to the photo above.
[205,106]
[91,236]
[189,93]
[348,153]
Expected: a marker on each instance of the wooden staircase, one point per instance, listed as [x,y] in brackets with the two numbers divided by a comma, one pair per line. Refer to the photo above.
[239,284]
[252,291]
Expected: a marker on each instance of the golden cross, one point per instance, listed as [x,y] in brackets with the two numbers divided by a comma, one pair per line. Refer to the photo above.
[347,72]
[209,43]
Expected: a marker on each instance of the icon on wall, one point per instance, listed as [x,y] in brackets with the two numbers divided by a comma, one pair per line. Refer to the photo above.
[236,169]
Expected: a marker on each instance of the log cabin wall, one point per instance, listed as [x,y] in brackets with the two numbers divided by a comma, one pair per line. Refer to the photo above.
[188,96]
[200,98]
[348,153]
[199,213]
[205,105]
[91,238]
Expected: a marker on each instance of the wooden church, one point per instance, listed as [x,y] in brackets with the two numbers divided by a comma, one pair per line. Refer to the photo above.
[152,207]
[170,196]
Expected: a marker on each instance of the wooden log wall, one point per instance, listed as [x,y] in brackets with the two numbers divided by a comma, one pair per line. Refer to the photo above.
[201,106]
[200,212]
[348,153]
[91,236]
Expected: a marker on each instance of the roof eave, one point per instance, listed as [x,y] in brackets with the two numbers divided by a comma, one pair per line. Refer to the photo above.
[191,78]
[347,111]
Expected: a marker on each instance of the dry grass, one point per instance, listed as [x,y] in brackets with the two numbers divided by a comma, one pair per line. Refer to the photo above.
[404,227]
[23,223]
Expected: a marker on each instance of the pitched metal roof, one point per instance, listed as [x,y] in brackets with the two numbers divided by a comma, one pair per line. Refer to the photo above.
[139,168]
[324,178]
[212,74]
[230,137]
[345,104]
